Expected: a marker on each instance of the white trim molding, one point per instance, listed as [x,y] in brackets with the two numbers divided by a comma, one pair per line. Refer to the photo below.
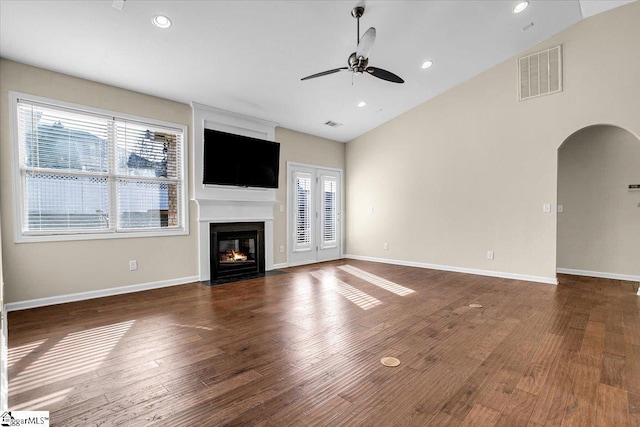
[220,203]
[81,296]
[501,274]
[600,274]
[112,175]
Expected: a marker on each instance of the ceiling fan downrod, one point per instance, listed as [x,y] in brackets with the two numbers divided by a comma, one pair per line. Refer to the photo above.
[357,12]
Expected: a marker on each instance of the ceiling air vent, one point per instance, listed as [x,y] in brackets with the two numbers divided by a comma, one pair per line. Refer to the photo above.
[333,124]
[540,73]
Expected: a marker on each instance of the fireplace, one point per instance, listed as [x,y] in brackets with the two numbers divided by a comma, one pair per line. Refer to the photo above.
[236,250]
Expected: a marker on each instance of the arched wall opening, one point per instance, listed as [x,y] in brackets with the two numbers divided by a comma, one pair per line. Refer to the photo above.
[598,222]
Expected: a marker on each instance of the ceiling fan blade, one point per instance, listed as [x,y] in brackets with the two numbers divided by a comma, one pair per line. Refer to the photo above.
[325,73]
[384,75]
[366,43]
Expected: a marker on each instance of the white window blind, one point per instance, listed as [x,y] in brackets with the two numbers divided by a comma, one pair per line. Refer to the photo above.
[303,220]
[87,173]
[329,211]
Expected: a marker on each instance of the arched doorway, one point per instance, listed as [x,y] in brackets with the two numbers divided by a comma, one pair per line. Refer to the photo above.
[598,214]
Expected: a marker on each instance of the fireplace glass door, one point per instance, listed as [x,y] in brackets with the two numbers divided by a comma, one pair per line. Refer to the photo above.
[237,252]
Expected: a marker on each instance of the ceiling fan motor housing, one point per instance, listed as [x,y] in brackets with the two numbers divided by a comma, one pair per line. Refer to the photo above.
[357,11]
[358,65]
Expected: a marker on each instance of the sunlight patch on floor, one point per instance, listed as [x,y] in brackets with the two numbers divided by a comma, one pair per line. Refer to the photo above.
[385,284]
[42,402]
[356,296]
[17,353]
[77,353]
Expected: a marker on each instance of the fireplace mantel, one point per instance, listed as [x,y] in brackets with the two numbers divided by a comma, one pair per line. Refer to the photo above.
[217,203]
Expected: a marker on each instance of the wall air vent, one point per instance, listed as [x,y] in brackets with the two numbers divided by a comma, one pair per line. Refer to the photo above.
[540,73]
[333,124]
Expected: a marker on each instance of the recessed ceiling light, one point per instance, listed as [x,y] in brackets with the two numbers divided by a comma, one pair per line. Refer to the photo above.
[427,64]
[362,104]
[161,21]
[520,6]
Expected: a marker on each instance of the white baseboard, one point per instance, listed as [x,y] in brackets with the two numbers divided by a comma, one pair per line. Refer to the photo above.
[525,277]
[282,265]
[599,274]
[80,296]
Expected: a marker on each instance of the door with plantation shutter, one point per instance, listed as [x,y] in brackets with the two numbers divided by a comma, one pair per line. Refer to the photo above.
[314,220]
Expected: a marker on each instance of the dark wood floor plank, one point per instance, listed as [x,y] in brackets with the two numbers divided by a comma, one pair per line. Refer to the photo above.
[634,408]
[541,363]
[480,416]
[518,410]
[613,407]
[592,344]
[583,398]
[290,350]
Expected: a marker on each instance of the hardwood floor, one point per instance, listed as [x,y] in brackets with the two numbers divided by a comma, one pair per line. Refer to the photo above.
[303,349]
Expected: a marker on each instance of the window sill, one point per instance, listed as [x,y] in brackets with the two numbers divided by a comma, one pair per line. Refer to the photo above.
[98,236]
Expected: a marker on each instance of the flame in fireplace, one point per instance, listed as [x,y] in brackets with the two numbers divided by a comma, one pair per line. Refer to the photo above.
[232,256]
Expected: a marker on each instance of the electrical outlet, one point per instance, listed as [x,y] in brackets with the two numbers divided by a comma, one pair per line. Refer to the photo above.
[386,246]
[281,249]
[370,209]
[546,208]
[133,265]
[560,208]
[489,254]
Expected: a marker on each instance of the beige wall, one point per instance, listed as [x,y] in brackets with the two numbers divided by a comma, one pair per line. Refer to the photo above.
[470,170]
[38,270]
[301,148]
[599,229]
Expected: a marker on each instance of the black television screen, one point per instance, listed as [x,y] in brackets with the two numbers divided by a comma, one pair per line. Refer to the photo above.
[238,160]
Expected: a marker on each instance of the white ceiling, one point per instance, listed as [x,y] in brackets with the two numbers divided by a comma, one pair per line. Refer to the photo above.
[248,56]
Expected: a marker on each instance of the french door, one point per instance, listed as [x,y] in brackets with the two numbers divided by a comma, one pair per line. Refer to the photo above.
[315,214]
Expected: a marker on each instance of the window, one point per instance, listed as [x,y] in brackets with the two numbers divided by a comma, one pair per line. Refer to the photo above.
[302,182]
[84,174]
[329,213]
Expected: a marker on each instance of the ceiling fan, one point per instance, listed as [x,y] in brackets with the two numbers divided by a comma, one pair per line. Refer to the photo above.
[359,60]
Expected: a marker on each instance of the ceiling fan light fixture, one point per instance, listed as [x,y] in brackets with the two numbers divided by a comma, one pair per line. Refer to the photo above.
[161,21]
[427,64]
[362,104]
[520,6]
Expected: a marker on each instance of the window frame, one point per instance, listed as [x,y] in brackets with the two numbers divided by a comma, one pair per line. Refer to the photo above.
[112,233]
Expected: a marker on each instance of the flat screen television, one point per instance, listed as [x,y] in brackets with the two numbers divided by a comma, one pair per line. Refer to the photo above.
[241,161]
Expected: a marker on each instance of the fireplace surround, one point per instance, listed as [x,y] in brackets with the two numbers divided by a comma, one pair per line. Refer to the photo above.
[226,204]
[236,250]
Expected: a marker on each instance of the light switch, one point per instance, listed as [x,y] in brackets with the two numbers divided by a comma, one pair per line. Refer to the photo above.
[281,208]
[370,209]
[546,208]
[560,208]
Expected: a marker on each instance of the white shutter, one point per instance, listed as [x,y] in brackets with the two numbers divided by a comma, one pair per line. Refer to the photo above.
[329,225]
[302,218]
